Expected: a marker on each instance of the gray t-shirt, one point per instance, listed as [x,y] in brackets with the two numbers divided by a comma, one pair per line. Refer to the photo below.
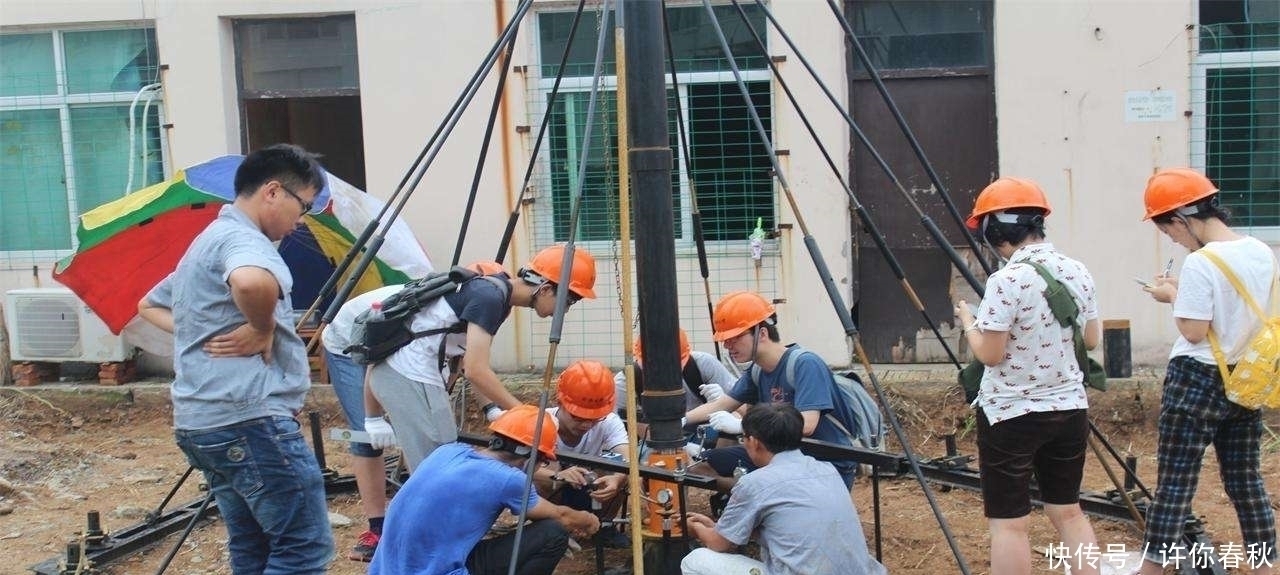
[801,513]
[212,392]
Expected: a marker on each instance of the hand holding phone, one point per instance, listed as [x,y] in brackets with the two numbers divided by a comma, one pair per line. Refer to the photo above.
[1144,283]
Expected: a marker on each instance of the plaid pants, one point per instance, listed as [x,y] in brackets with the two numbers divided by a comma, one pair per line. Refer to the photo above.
[1194,413]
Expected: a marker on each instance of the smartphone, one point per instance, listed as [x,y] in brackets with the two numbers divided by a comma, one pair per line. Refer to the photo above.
[1144,283]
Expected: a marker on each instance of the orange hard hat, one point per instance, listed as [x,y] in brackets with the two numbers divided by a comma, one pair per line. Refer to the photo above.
[582,274]
[1006,193]
[518,423]
[486,268]
[586,389]
[738,312]
[1174,188]
[638,350]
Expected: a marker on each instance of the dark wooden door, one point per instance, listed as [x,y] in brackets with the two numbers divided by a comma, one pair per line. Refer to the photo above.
[934,58]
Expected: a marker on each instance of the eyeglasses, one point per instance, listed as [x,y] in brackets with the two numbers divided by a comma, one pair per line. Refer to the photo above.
[306,206]
[572,299]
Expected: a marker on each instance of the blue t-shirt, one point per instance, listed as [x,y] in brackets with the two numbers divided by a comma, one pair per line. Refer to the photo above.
[442,511]
[814,389]
[482,303]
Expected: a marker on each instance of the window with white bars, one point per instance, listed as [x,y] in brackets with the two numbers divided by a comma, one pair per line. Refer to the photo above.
[80,125]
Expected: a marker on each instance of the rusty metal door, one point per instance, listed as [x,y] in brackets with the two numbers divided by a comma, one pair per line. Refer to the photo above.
[934,57]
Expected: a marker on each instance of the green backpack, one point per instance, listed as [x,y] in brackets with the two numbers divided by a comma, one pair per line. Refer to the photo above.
[1065,310]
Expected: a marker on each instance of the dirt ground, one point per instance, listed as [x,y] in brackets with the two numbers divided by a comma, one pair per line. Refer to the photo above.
[66,450]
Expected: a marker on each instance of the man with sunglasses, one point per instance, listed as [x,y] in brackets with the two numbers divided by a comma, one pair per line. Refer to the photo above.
[241,369]
[410,385]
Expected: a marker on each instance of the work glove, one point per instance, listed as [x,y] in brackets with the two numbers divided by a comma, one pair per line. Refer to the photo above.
[693,450]
[725,422]
[711,391]
[492,412]
[380,433]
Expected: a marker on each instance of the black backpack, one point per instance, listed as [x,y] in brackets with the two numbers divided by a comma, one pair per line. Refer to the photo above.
[376,338]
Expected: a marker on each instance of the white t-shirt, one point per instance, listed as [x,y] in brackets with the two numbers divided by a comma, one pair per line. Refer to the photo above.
[337,335]
[1205,294]
[604,436]
[710,368]
[1039,371]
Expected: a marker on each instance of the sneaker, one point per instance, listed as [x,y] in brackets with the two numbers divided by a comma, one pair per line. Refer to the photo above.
[365,546]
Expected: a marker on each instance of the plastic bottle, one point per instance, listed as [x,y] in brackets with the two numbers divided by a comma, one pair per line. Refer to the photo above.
[757,241]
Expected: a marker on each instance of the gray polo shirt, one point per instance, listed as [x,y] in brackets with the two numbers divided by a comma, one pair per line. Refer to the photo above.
[803,517]
[214,392]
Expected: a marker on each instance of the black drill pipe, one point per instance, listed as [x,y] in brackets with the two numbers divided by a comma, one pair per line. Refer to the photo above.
[699,238]
[370,241]
[651,164]
[503,65]
[510,230]
[925,220]
[863,214]
[851,330]
[906,131]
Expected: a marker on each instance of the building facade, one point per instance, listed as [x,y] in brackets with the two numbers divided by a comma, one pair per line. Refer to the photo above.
[1088,98]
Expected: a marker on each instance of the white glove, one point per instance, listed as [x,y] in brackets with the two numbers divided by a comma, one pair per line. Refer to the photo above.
[711,391]
[692,450]
[725,422]
[493,413]
[380,433]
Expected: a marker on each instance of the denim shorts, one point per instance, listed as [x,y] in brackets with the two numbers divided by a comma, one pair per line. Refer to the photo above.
[347,379]
[270,494]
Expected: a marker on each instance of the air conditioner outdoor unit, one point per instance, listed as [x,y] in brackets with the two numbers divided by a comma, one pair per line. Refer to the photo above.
[52,324]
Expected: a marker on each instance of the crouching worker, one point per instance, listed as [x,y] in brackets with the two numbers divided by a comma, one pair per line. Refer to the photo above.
[586,425]
[435,523]
[796,507]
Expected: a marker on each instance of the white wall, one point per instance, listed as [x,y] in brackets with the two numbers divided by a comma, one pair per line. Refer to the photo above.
[1059,94]
[1062,70]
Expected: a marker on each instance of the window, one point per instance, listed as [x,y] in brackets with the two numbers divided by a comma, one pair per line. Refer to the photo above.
[68,102]
[730,167]
[1236,108]
[930,34]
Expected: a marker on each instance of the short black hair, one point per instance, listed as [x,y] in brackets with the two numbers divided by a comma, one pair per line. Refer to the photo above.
[771,328]
[779,426]
[1030,225]
[290,164]
[1205,209]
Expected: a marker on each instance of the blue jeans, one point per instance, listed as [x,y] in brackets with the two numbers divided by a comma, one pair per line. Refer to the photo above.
[269,491]
[347,379]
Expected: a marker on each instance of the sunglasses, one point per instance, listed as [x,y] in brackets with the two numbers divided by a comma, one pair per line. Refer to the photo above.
[306,206]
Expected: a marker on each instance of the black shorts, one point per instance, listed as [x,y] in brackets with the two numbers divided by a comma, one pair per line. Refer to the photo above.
[1049,444]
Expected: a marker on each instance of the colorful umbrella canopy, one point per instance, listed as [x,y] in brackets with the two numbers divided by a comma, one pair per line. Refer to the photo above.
[127,246]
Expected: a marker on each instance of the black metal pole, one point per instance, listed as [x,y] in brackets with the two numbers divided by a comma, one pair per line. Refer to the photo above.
[906,131]
[941,240]
[695,213]
[503,65]
[396,203]
[510,230]
[851,330]
[651,164]
[863,214]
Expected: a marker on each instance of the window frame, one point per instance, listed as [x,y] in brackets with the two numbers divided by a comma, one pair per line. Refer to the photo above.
[543,222]
[1201,65]
[63,102]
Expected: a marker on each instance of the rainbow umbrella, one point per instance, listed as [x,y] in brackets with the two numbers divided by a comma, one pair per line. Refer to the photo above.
[127,246]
